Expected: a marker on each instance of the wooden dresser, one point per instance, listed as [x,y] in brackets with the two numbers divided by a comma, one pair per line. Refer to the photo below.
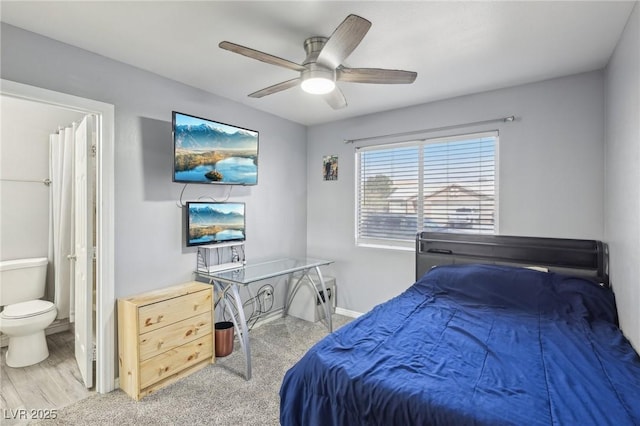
[164,335]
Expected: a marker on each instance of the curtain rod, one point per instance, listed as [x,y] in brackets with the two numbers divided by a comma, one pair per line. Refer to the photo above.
[434,129]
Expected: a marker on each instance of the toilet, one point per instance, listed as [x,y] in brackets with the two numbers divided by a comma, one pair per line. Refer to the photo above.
[24,316]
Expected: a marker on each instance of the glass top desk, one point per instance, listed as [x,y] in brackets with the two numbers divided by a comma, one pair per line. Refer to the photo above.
[227,283]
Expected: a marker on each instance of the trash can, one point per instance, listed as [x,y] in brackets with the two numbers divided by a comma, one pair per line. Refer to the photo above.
[224,338]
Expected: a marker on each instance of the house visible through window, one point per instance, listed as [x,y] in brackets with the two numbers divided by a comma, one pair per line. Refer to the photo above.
[444,185]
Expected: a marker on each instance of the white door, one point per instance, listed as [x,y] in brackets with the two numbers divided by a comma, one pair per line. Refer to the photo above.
[84,247]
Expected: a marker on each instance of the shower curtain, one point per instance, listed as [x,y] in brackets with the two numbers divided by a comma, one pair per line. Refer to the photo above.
[61,231]
[62,146]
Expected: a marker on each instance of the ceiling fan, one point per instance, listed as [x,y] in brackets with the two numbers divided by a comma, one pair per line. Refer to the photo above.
[323,65]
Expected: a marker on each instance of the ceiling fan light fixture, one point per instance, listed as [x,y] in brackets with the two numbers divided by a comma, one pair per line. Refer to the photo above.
[318,85]
[317,80]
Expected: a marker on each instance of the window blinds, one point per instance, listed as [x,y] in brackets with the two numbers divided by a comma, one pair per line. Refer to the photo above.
[445,184]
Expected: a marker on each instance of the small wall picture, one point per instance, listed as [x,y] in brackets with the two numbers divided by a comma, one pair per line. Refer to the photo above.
[330,167]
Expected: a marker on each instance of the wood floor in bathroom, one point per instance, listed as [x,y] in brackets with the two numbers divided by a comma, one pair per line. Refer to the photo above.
[49,385]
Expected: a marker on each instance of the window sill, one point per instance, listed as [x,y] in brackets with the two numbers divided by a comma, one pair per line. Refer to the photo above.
[387,247]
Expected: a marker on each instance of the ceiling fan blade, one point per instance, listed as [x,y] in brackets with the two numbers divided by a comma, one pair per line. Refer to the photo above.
[375,76]
[261,56]
[335,99]
[276,88]
[343,41]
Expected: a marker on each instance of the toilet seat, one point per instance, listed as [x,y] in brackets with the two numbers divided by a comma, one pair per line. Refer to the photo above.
[27,309]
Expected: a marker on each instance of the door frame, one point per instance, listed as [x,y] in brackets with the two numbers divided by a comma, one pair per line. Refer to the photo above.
[105,179]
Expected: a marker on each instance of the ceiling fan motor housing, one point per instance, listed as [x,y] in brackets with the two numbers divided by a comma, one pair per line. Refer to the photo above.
[317,79]
[318,71]
[313,46]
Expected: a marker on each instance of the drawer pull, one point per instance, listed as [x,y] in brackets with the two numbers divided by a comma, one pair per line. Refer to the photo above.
[189,332]
[160,343]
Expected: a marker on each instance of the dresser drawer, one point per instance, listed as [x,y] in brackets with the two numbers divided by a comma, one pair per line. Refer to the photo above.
[162,339]
[173,361]
[156,315]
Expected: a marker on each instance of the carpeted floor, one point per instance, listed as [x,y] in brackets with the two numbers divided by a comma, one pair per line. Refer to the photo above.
[217,394]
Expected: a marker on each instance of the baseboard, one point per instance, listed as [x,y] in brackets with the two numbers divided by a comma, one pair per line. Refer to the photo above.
[58,326]
[348,313]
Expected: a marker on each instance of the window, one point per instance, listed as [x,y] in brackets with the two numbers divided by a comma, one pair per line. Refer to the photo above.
[444,185]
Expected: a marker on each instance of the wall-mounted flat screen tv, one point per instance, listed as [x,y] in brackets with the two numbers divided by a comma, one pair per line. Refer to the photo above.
[214,222]
[205,151]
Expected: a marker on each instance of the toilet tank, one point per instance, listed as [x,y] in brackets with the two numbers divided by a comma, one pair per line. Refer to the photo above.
[22,280]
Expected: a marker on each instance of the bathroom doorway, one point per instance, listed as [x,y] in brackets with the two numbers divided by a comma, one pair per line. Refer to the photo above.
[103,113]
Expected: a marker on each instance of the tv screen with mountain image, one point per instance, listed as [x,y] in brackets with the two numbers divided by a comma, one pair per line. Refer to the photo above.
[209,152]
[214,222]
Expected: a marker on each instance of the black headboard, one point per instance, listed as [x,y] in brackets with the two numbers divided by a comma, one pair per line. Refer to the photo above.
[585,258]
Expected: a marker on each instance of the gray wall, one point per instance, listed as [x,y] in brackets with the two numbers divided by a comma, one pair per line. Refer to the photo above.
[622,188]
[149,248]
[550,175]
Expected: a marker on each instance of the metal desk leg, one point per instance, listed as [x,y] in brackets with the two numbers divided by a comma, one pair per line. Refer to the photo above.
[326,304]
[240,327]
[243,335]
[291,292]
[287,293]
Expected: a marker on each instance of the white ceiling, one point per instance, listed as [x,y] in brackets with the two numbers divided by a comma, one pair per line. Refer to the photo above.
[456,47]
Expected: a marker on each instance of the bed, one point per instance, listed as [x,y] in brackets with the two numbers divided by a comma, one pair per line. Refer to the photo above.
[478,339]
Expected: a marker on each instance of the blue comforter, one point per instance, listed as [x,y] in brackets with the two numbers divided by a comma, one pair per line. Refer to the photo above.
[473,344]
